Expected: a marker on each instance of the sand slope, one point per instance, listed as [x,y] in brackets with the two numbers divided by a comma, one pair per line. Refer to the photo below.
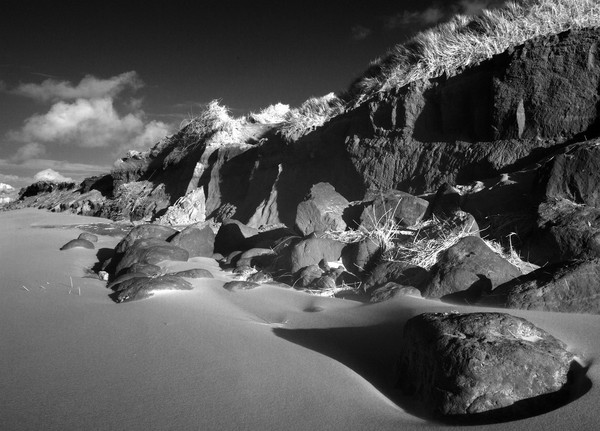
[209,359]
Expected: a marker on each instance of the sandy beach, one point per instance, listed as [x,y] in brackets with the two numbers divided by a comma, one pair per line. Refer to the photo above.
[210,359]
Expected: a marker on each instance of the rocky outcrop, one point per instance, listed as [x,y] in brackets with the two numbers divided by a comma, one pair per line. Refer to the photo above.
[321,211]
[570,287]
[464,364]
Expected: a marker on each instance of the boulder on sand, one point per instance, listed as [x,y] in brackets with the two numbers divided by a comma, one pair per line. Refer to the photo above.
[322,210]
[78,243]
[142,287]
[461,364]
[197,239]
[88,236]
[312,250]
[150,251]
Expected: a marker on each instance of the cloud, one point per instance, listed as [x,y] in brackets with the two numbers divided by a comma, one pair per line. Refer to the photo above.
[360,32]
[6,188]
[89,123]
[90,87]
[29,151]
[52,176]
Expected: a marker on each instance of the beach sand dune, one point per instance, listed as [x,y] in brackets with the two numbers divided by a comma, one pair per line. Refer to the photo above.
[210,359]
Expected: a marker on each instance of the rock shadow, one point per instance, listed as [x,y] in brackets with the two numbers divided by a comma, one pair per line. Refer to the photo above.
[372,351]
[102,255]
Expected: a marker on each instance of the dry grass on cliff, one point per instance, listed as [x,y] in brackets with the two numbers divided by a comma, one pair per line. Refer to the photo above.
[214,123]
[313,113]
[467,40]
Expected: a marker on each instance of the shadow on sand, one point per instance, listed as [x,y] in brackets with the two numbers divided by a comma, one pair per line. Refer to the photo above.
[371,352]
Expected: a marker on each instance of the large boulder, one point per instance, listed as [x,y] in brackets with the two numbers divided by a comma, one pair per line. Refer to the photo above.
[321,211]
[78,243]
[469,264]
[197,239]
[572,287]
[144,231]
[313,250]
[150,251]
[395,206]
[141,287]
[233,235]
[462,364]
[361,256]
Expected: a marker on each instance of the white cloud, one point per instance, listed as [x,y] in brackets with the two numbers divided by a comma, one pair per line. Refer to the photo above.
[6,188]
[29,151]
[90,87]
[90,123]
[52,176]
[360,32]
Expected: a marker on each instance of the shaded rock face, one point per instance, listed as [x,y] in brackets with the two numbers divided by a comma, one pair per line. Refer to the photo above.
[361,256]
[232,236]
[145,231]
[150,251]
[321,211]
[572,287]
[311,251]
[469,264]
[400,207]
[198,240]
[462,364]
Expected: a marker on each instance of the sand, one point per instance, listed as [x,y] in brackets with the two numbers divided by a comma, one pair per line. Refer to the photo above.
[209,359]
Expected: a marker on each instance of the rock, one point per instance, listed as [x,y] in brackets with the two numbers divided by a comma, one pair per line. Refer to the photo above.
[198,240]
[569,287]
[88,236]
[457,364]
[469,264]
[361,256]
[401,273]
[260,257]
[186,210]
[392,290]
[232,236]
[141,287]
[321,211]
[78,243]
[144,231]
[145,268]
[235,286]
[103,275]
[312,250]
[150,251]
[326,282]
[400,207]
[308,275]
[194,273]
[130,275]
[260,278]
[446,202]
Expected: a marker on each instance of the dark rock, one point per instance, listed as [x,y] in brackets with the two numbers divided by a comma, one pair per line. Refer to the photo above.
[469,264]
[401,273]
[260,257]
[325,282]
[78,243]
[145,268]
[393,290]
[446,202]
[88,236]
[194,273]
[321,211]
[150,251]
[144,231]
[198,240]
[312,250]
[233,235]
[141,287]
[400,207]
[571,287]
[361,256]
[126,276]
[308,275]
[457,364]
[235,286]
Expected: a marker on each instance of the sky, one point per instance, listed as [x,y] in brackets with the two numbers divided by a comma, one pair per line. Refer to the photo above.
[82,82]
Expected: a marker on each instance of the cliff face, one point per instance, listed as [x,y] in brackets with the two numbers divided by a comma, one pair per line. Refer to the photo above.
[500,116]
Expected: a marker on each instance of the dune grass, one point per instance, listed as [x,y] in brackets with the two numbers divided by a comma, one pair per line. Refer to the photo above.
[467,40]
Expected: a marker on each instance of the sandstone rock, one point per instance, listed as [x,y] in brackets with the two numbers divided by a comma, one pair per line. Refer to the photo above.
[321,211]
[78,243]
[312,250]
[141,287]
[401,273]
[88,236]
[458,364]
[469,264]
[150,251]
[571,287]
[198,240]
[403,208]
[194,273]
[392,290]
